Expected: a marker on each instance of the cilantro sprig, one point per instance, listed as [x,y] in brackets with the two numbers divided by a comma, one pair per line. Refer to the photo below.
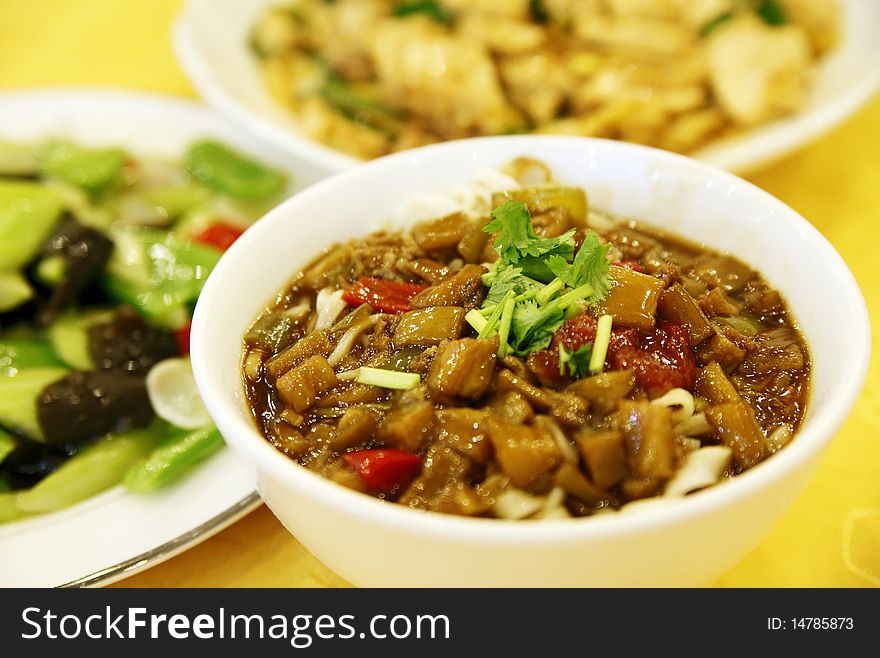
[537,283]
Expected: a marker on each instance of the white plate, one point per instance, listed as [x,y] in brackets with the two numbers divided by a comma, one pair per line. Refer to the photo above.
[116,534]
[211,36]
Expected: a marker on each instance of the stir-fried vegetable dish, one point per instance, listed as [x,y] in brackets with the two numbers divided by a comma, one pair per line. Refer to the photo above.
[102,257]
[374,76]
[526,357]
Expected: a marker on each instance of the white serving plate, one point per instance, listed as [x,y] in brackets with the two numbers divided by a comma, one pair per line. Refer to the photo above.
[210,38]
[117,533]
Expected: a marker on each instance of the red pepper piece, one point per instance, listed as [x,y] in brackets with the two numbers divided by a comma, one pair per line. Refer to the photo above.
[631,265]
[384,469]
[219,235]
[182,337]
[383,295]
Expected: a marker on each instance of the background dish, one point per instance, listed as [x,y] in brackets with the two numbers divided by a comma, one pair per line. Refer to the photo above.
[211,36]
[117,533]
[400,547]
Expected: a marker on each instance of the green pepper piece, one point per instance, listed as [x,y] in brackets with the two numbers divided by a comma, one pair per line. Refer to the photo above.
[225,171]
[90,169]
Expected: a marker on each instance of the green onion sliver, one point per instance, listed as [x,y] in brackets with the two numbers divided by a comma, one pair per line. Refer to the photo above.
[504,328]
[576,295]
[476,320]
[388,378]
[549,290]
[600,346]
[491,326]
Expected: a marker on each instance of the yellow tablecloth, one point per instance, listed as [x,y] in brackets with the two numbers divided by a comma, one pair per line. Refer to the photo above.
[830,537]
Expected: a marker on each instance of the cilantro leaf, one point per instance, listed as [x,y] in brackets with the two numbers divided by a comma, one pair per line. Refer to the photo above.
[533,326]
[517,243]
[508,278]
[577,363]
[590,265]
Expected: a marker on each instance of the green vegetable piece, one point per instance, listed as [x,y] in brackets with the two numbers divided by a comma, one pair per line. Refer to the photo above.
[176,455]
[158,272]
[9,508]
[714,23]
[431,8]
[17,159]
[22,353]
[504,324]
[577,363]
[69,337]
[600,347]
[18,399]
[590,266]
[51,270]
[539,11]
[91,169]
[28,212]
[476,319]
[358,107]
[7,445]
[225,171]
[518,245]
[93,470]
[772,12]
[14,291]
[388,378]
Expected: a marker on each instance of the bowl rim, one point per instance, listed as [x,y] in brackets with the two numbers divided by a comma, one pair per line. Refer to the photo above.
[762,145]
[815,433]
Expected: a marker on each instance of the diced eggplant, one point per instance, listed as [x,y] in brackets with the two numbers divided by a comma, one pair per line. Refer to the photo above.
[512,406]
[713,385]
[632,300]
[574,483]
[356,427]
[525,452]
[301,386]
[539,398]
[721,271]
[408,427]
[604,455]
[605,390]
[542,199]
[718,304]
[465,288]
[462,430]
[775,351]
[677,306]
[442,234]
[429,326]
[470,247]
[317,342]
[736,427]
[463,368]
[647,429]
[721,350]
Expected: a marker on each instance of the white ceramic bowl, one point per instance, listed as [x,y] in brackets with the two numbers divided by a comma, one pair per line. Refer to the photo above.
[686,542]
[211,38]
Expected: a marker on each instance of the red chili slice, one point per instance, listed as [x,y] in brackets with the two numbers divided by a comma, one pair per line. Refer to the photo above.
[219,235]
[182,337]
[383,295]
[384,469]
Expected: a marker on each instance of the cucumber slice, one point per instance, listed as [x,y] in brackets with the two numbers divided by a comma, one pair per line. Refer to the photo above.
[14,290]
[7,445]
[95,469]
[17,159]
[28,211]
[93,170]
[18,399]
[230,173]
[19,353]
[9,508]
[172,459]
[70,340]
